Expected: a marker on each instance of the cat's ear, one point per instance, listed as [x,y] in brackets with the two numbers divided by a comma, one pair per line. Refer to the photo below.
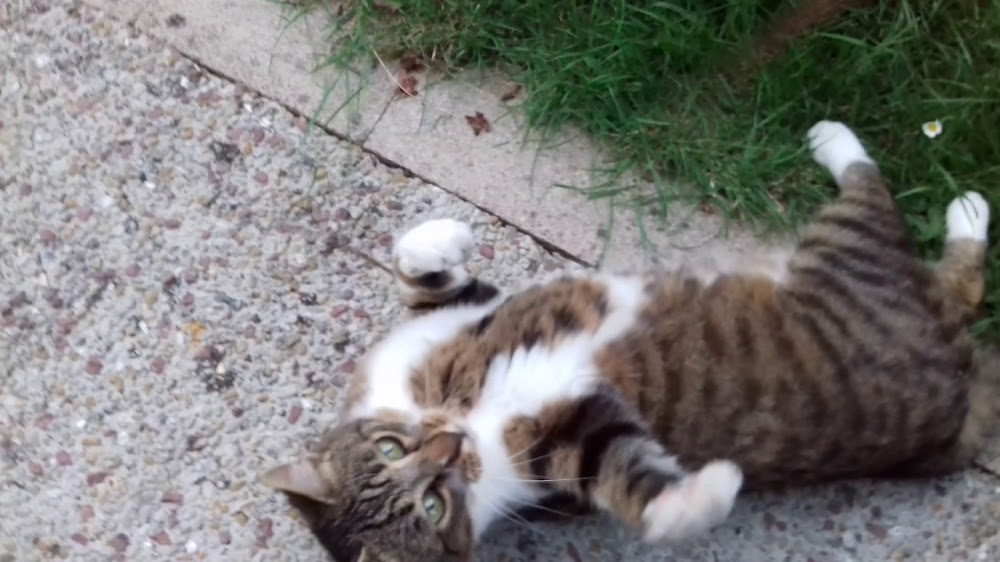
[302,478]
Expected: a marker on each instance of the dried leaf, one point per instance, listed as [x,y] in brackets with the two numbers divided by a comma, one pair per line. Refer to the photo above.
[411,63]
[707,208]
[407,83]
[511,93]
[478,123]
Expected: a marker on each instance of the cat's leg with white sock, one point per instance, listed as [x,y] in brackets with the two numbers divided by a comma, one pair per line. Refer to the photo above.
[860,234]
[960,277]
[962,268]
[603,454]
[429,265]
[836,148]
[697,503]
[672,504]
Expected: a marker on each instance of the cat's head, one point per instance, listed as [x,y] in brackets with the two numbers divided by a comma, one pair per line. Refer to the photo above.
[382,490]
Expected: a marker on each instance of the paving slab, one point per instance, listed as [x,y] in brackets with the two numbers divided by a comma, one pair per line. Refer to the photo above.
[498,170]
[256,43]
[186,280]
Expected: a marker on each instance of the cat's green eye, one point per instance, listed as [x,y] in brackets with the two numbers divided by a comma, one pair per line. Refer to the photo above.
[390,448]
[434,506]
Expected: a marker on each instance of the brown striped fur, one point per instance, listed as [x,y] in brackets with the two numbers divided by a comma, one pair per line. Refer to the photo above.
[452,376]
[857,363]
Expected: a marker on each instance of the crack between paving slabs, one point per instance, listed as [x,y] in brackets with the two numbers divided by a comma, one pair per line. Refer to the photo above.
[382,159]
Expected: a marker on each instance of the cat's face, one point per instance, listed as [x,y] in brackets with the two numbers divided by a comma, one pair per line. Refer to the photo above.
[383,490]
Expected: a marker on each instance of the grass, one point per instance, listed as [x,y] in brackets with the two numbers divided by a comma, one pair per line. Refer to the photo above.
[654,81]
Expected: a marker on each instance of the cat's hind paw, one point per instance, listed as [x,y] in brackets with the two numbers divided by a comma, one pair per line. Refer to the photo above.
[835,147]
[700,502]
[433,246]
[968,216]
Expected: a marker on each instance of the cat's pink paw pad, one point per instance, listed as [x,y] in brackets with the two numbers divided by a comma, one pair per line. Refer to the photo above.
[433,246]
[700,502]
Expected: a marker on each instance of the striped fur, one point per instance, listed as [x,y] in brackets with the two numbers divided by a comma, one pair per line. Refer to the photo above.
[657,398]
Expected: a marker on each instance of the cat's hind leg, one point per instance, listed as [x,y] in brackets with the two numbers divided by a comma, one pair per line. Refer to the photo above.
[961,270]
[862,189]
[856,255]
[958,292]
[429,265]
[836,148]
[864,215]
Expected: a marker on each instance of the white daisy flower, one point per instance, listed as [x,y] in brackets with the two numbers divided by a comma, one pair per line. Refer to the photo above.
[932,128]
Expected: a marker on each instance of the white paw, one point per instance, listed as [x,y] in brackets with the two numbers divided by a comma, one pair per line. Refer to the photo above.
[968,216]
[432,246]
[697,504]
[835,147]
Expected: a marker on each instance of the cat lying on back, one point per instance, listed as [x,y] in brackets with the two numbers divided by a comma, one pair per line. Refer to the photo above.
[656,398]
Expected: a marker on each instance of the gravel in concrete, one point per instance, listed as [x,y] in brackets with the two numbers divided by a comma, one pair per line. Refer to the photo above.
[186,278]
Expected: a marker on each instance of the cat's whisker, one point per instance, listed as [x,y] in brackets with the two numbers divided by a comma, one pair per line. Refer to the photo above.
[513,517]
[524,450]
[527,461]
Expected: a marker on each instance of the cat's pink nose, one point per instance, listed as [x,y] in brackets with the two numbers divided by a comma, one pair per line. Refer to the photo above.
[443,449]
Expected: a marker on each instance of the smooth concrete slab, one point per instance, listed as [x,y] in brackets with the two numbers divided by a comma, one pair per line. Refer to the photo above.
[186,280]
[497,170]
[256,43]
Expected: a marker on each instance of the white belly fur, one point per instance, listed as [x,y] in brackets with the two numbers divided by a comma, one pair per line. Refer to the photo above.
[521,384]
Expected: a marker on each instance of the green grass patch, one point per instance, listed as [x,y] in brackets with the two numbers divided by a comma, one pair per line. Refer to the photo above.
[649,80]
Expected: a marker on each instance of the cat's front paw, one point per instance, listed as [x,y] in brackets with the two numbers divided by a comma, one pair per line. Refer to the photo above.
[968,216]
[433,246]
[835,147]
[700,502]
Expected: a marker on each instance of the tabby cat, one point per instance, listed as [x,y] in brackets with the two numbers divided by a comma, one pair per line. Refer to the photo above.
[656,398]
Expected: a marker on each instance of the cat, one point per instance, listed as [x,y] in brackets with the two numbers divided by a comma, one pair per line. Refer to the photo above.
[656,398]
